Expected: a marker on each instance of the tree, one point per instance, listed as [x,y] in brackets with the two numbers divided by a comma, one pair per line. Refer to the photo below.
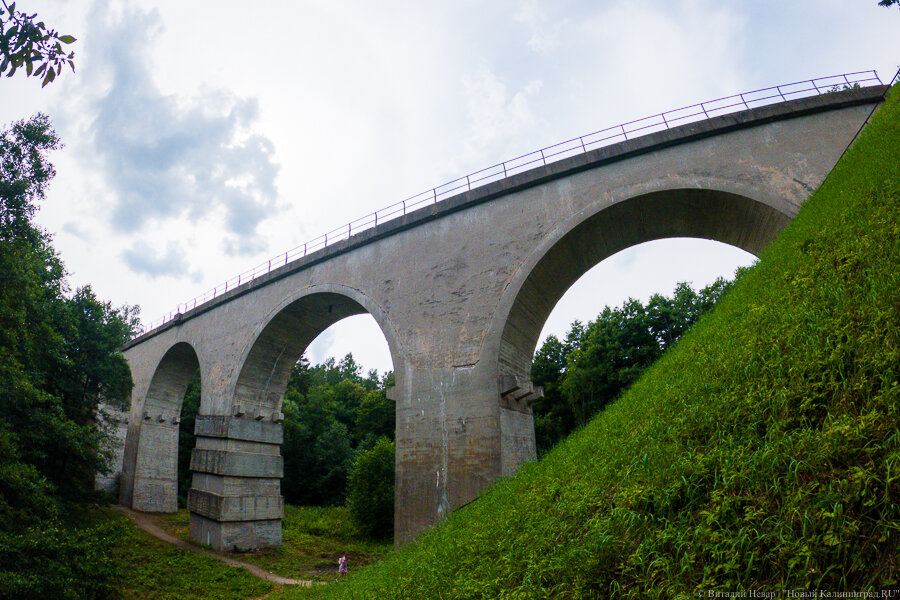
[370,492]
[553,416]
[58,359]
[375,418]
[32,45]
[187,440]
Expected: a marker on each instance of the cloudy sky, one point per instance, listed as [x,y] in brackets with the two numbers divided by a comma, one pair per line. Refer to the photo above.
[204,137]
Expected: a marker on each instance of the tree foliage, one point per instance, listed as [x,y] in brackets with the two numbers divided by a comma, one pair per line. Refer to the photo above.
[370,493]
[30,44]
[331,412]
[597,362]
[58,359]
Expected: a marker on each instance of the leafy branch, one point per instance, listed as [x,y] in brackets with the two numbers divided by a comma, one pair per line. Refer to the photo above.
[34,46]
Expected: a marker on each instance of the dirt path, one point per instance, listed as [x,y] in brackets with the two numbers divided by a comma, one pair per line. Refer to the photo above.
[147,525]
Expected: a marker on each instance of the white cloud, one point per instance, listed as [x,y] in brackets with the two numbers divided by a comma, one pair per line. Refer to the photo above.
[545,36]
[168,157]
[145,258]
[496,116]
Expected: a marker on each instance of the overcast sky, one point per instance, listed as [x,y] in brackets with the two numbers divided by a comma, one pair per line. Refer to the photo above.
[204,137]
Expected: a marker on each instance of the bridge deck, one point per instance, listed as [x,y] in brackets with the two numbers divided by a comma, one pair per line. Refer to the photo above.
[567,166]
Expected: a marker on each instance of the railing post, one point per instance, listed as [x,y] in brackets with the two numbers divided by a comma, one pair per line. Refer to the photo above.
[543,159]
[666,123]
[815,87]
[780,93]
[404,207]
[468,183]
[349,229]
[747,106]
[703,108]
[624,133]
[583,148]
[376,218]
[270,267]
[504,171]
[434,191]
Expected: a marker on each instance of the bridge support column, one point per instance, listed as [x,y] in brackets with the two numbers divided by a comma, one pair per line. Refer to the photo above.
[156,463]
[235,497]
[453,441]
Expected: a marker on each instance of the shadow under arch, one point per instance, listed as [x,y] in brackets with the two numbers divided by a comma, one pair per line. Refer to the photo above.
[155,478]
[270,357]
[585,241]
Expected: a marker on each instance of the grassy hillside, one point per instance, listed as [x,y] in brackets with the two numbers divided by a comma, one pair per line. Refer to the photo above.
[761,453]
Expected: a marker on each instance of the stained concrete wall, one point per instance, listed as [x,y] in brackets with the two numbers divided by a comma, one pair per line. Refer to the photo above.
[114,422]
[461,290]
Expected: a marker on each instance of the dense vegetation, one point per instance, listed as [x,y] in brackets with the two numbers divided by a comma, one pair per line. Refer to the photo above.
[58,361]
[761,453]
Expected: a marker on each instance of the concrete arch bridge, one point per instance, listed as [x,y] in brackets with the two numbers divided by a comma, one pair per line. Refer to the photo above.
[461,290]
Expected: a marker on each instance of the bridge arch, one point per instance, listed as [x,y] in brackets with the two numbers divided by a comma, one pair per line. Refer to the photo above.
[591,236]
[577,245]
[235,498]
[285,334]
[156,465]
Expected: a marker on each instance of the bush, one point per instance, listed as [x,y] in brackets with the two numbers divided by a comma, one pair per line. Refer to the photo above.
[58,560]
[370,491]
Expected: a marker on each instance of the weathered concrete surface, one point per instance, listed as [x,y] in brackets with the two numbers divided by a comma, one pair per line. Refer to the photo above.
[115,422]
[461,290]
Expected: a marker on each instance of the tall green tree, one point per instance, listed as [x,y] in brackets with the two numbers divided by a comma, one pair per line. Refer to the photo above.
[331,413]
[58,359]
[370,492]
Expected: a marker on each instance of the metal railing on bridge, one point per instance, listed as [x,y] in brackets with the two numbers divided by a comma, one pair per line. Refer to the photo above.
[541,157]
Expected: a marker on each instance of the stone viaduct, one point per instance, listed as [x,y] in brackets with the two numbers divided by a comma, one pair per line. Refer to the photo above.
[461,290]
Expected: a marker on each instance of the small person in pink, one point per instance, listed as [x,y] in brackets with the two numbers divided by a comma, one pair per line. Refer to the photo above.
[342,565]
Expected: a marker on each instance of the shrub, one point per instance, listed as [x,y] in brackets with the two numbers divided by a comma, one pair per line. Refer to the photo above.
[370,491]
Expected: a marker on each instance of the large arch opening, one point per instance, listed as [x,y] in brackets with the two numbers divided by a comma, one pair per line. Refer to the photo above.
[585,242]
[640,271]
[156,467]
[681,213]
[291,430]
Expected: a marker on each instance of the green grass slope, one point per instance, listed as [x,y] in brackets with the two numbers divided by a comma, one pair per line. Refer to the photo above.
[761,453]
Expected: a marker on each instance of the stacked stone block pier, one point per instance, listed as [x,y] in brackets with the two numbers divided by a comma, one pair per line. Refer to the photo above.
[235,498]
